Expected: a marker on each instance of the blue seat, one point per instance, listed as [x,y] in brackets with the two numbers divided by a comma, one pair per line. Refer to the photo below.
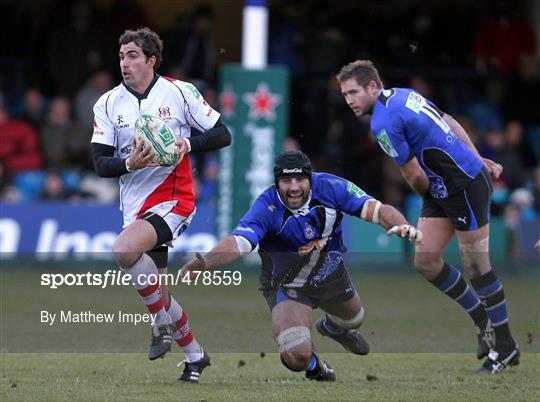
[29,183]
[72,180]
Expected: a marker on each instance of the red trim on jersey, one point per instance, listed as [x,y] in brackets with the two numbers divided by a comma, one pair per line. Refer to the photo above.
[169,78]
[177,186]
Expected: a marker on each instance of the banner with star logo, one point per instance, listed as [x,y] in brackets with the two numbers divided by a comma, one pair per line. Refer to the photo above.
[254,105]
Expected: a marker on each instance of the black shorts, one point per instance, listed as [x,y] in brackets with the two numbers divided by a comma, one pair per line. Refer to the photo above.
[467,209]
[338,290]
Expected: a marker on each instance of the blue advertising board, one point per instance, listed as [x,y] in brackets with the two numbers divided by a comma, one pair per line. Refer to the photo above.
[58,230]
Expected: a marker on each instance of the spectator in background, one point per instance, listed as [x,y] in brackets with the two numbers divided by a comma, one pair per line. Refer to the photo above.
[483,110]
[53,188]
[421,85]
[76,48]
[206,184]
[291,144]
[63,144]
[496,148]
[517,103]
[519,211]
[99,83]
[503,39]
[286,39]
[19,145]
[193,53]
[34,108]
[519,145]
[536,189]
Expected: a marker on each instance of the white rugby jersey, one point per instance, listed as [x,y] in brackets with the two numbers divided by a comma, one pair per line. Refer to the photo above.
[182,106]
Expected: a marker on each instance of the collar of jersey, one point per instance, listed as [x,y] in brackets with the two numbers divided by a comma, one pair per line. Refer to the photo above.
[303,210]
[139,96]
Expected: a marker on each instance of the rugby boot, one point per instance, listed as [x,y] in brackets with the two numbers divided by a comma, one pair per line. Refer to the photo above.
[162,337]
[498,361]
[485,338]
[193,370]
[350,339]
[322,371]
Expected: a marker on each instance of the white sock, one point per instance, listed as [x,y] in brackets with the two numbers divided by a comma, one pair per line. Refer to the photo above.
[183,335]
[142,272]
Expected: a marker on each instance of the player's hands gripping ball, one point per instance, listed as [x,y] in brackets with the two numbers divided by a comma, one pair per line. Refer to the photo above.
[406,231]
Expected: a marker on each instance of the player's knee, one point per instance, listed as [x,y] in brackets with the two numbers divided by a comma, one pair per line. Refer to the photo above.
[296,360]
[295,347]
[428,264]
[123,254]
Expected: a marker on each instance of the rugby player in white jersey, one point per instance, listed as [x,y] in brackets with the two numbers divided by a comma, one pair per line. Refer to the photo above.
[157,202]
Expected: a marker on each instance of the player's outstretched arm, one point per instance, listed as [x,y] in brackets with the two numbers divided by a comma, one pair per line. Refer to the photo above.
[495,169]
[223,253]
[389,218]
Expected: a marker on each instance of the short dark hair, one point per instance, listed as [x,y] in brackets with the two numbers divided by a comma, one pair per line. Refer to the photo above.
[147,40]
[363,71]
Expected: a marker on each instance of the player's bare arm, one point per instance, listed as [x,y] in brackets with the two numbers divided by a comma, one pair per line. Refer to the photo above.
[415,176]
[495,169]
[389,218]
[223,253]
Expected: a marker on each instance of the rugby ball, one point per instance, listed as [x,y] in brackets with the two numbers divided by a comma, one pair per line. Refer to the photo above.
[154,132]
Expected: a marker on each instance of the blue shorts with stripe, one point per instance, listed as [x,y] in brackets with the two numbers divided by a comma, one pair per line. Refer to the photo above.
[467,209]
[338,289]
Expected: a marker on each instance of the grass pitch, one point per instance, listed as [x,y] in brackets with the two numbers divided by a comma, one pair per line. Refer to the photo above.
[408,324]
[250,377]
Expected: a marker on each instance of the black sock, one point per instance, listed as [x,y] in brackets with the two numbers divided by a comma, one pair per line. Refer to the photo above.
[491,292]
[451,282]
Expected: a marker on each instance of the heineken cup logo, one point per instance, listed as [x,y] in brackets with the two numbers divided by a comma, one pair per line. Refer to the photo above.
[262,103]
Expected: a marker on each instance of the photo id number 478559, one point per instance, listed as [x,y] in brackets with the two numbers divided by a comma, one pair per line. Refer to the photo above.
[213,278]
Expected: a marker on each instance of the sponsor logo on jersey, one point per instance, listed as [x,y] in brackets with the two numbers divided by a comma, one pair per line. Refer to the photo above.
[271,208]
[164,111]
[119,121]
[309,231]
[353,189]
[292,293]
[437,188]
[386,144]
[415,102]
[193,89]
[316,244]
[125,150]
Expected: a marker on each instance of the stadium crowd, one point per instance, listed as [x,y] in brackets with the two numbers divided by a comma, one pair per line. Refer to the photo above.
[483,73]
